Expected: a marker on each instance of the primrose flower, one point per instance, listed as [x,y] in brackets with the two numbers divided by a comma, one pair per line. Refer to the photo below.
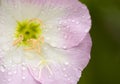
[43,41]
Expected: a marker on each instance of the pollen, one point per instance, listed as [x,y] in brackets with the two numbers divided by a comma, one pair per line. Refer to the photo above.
[28,34]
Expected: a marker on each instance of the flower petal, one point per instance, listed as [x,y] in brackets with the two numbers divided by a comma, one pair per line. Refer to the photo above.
[12,8]
[65,25]
[64,66]
[65,22]
[16,75]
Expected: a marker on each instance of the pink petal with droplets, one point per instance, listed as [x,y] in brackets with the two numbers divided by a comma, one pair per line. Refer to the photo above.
[16,75]
[65,22]
[66,67]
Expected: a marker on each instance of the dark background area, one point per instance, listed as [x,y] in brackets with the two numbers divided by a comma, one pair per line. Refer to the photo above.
[104,66]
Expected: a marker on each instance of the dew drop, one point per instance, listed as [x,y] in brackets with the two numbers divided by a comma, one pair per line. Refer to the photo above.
[23,77]
[13,65]
[23,64]
[83,16]
[65,36]
[60,23]
[9,73]
[2,68]
[77,23]
[47,38]
[65,75]
[2,21]
[59,28]
[10,61]
[66,63]
[15,72]
[23,68]
[45,48]
[64,47]
[64,69]
[73,20]
[9,80]
[65,21]
[67,26]
[1,56]
[46,30]
[53,44]
[68,79]
[84,7]
[49,76]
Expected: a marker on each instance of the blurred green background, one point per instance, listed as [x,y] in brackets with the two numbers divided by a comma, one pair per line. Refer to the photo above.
[104,67]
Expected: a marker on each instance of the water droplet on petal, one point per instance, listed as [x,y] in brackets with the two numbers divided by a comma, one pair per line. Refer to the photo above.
[65,21]
[2,68]
[66,63]
[13,65]
[23,77]
[73,20]
[64,47]
[67,26]
[59,28]
[65,75]
[23,68]
[9,80]
[49,76]
[15,72]
[68,79]
[60,23]
[23,64]
[2,21]
[9,73]
[65,36]
[64,69]
[77,23]
[47,38]
[46,30]
[45,48]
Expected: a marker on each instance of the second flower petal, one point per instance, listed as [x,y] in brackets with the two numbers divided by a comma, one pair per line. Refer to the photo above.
[63,66]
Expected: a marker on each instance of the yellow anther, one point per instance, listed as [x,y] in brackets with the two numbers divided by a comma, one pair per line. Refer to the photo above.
[17,41]
[35,44]
[35,20]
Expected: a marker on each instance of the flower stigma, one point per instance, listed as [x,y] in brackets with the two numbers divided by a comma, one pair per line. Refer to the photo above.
[28,34]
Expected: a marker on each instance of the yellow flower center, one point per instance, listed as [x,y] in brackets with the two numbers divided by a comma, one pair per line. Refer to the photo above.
[28,34]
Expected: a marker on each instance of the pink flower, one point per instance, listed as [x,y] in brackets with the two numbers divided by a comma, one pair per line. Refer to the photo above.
[43,41]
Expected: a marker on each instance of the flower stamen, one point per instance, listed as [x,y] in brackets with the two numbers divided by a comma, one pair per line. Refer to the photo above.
[17,41]
[28,34]
[35,44]
[42,64]
[37,20]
